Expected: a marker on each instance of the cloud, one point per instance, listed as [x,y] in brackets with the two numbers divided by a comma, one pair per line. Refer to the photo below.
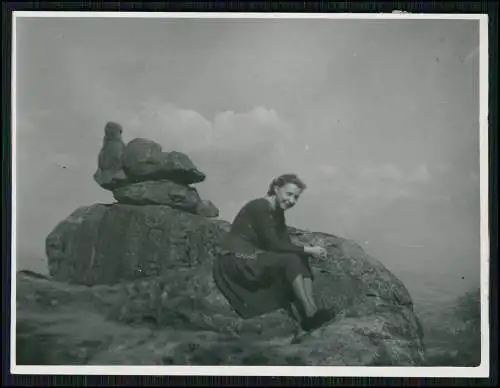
[385,172]
[366,191]
[257,128]
[420,175]
[328,170]
[186,130]
[393,174]
[173,128]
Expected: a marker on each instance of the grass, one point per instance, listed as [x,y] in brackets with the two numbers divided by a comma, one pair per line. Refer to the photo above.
[453,338]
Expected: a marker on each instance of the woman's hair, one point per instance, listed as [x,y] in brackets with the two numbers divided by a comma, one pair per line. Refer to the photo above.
[282,180]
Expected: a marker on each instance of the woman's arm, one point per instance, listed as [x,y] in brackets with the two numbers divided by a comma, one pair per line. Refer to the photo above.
[284,234]
[265,227]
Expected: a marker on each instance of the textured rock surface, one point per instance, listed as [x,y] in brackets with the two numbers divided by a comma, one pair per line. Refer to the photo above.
[122,242]
[70,247]
[153,300]
[144,159]
[110,180]
[206,208]
[160,192]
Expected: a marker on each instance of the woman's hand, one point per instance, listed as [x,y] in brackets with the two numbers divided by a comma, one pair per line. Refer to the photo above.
[316,251]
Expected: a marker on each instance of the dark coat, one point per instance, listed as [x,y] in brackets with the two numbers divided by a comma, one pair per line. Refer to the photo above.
[246,267]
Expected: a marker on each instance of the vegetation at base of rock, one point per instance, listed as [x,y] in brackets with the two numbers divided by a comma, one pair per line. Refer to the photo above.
[454,337]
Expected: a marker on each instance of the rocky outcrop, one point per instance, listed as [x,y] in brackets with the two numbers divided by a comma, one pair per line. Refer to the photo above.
[144,159]
[161,192]
[206,208]
[63,324]
[148,269]
[131,283]
[140,172]
[106,244]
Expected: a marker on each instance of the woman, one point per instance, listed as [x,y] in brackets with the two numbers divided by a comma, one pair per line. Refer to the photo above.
[259,269]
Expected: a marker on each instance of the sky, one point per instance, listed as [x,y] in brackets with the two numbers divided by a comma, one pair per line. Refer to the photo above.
[380,118]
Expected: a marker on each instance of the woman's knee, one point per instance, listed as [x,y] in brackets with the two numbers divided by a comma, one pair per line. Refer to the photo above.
[292,266]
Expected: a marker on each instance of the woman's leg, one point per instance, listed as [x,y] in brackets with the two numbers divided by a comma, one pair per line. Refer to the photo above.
[309,290]
[300,278]
[295,271]
[299,289]
[294,312]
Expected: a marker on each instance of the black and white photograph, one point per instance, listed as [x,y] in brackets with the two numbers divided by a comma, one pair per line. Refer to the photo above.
[278,194]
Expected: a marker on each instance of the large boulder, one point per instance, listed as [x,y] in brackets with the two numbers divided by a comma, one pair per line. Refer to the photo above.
[160,192]
[121,242]
[142,276]
[109,179]
[70,247]
[144,159]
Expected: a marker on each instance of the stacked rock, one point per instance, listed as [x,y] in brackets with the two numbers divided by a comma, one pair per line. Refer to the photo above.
[141,173]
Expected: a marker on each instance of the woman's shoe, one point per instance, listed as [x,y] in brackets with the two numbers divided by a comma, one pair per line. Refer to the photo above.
[325,315]
[311,323]
[318,319]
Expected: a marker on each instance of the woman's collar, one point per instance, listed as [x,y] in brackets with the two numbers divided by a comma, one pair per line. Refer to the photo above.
[272,201]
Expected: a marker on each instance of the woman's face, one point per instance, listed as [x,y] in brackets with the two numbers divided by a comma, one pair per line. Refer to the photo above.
[287,195]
